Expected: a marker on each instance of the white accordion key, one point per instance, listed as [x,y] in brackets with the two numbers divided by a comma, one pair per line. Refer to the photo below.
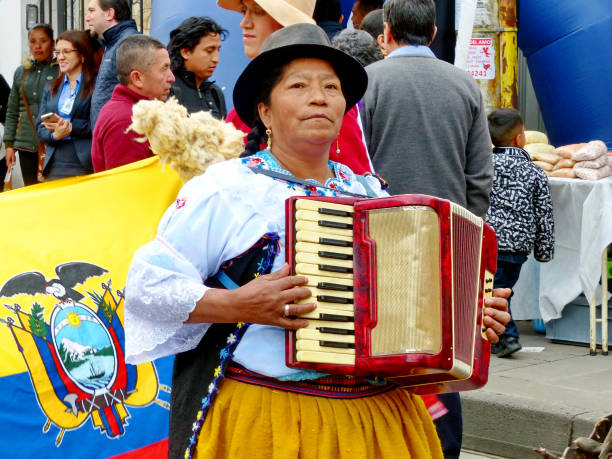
[307,333]
[308,269]
[309,215]
[312,345]
[316,238]
[315,259]
[309,204]
[325,357]
[304,225]
[309,247]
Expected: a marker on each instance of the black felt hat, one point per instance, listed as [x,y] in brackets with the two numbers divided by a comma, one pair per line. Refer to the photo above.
[285,45]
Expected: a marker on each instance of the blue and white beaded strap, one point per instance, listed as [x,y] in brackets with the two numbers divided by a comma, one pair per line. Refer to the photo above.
[225,356]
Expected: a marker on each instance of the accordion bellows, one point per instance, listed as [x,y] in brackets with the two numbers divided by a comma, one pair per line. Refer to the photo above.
[399,284]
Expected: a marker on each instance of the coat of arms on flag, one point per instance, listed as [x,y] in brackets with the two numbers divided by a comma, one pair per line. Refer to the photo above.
[66,253]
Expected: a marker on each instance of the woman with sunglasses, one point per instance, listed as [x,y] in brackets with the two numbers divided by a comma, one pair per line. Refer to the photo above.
[63,122]
[38,69]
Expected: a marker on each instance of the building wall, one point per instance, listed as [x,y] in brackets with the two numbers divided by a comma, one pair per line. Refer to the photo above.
[10,28]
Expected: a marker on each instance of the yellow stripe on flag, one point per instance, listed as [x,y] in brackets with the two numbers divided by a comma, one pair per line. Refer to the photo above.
[100,219]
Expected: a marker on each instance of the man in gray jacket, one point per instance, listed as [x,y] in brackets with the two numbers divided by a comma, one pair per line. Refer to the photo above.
[426,129]
[424,120]
[110,20]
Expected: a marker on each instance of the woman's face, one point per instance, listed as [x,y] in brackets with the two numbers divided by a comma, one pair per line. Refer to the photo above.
[68,58]
[256,25]
[41,45]
[306,106]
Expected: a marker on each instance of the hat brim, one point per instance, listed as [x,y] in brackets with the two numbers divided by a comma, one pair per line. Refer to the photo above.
[353,78]
[282,12]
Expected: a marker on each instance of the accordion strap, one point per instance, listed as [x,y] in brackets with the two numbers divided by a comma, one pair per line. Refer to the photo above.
[292,179]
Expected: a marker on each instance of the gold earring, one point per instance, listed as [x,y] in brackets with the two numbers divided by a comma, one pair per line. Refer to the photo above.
[269,134]
[337,147]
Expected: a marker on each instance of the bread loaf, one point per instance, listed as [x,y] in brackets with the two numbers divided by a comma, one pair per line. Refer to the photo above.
[564,162]
[594,163]
[565,172]
[592,150]
[546,157]
[544,165]
[592,174]
[566,151]
[535,137]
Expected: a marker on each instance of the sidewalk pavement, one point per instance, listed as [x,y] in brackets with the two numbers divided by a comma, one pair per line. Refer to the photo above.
[547,394]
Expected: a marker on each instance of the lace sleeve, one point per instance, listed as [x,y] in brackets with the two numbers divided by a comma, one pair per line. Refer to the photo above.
[161,291]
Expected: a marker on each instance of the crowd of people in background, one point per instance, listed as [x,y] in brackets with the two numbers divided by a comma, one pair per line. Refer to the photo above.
[55,124]
[71,102]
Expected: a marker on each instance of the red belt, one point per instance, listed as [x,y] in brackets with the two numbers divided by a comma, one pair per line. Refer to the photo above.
[327,386]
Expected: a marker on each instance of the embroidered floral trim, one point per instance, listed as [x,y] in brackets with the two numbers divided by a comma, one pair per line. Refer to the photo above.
[342,181]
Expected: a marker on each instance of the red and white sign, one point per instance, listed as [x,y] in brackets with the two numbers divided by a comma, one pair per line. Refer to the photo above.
[481,58]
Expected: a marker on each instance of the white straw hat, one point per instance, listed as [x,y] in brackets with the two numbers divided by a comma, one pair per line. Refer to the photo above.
[285,12]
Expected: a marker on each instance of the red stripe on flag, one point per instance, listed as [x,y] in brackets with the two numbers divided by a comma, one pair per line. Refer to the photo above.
[112,420]
[158,450]
[121,379]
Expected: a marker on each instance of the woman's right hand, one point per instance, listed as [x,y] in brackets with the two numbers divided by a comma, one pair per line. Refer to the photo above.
[10,156]
[263,300]
[260,301]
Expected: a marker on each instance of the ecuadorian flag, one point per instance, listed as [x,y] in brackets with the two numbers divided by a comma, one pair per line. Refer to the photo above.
[65,249]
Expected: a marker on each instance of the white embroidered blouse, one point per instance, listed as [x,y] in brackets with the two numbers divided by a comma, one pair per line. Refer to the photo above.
[216,217]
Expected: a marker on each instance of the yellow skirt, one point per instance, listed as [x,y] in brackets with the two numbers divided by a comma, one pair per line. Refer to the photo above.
[248,421]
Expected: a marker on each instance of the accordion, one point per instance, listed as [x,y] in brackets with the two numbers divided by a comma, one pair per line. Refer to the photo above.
[399,284]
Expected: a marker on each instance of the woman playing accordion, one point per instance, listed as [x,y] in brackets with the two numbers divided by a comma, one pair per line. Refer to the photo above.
[213,287]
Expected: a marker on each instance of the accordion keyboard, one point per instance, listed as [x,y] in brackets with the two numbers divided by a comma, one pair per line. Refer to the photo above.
[324,254]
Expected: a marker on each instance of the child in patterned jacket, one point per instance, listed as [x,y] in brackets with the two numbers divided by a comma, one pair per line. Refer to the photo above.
[520,210]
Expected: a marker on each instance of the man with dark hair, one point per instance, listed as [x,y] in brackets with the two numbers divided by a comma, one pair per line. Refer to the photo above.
[425,126]
[373,24]
[361,8]
[194,55]
[110,20]
[143,71]
[328,15]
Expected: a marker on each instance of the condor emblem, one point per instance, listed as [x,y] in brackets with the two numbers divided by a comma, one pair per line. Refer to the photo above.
[75,358]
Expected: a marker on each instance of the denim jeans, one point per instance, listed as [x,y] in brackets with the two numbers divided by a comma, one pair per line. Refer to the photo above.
[508,270]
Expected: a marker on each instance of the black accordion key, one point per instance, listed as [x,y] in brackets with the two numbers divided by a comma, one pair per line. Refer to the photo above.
[336,331]
[336,269]
[335,212]
[334,299]
[336,318]
[337,287]
[338,225]
[336,242]
[337,345]
[335,255]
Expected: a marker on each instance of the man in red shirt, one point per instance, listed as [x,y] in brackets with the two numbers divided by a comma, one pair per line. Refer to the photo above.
[143,69]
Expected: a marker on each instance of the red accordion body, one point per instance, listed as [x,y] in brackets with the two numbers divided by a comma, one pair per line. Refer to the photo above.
[420,270]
